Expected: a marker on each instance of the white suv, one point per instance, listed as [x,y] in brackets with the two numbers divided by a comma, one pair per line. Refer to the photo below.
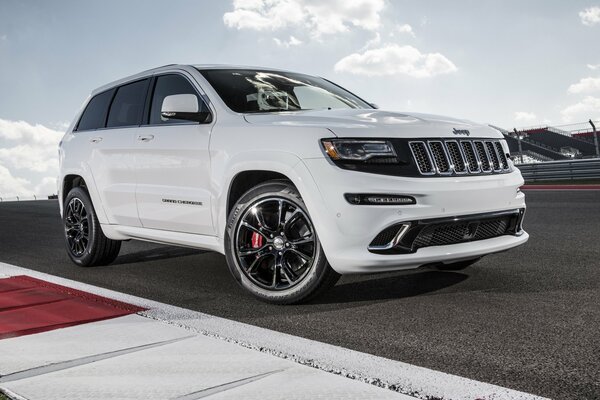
[293,178]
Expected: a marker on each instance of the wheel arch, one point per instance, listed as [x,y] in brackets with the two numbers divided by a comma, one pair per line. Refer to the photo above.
[246,180]
[284,166]
[69,182]
[81,178]
[244,171]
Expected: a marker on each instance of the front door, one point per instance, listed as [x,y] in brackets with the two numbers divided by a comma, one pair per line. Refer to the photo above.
[172,166]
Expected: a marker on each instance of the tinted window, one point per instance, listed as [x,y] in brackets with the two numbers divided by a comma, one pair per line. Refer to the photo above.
[94,116]
[247,91]
[128,105]
[168,85]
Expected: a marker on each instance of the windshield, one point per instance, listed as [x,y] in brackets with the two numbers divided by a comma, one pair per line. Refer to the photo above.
[248,91]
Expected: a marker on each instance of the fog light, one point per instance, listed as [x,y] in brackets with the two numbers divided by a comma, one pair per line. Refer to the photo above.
[379,199]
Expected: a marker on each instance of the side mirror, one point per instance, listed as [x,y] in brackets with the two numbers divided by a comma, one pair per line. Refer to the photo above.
[184,106]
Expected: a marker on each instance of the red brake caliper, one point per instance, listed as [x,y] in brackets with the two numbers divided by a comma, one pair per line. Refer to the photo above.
[257,240]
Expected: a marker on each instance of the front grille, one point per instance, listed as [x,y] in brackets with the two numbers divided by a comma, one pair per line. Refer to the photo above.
[493,156]
[421,157]
[440,157]
[486,165]
[503,159]
[470,156]
[456,157]
[450,157]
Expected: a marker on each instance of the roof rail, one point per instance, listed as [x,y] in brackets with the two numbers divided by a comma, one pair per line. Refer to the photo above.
[152,69]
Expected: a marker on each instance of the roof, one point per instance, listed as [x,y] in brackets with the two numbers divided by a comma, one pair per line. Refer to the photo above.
[175,66]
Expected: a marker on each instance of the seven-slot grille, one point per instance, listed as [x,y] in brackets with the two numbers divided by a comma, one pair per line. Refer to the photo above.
[453,157]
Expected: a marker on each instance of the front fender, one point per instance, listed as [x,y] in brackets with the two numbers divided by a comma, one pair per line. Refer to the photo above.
[225,172]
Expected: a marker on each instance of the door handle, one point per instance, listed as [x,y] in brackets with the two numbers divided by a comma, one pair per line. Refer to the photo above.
[96,139]
[145,138]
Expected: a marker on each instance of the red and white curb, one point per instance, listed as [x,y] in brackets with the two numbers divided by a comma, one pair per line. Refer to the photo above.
[169,352]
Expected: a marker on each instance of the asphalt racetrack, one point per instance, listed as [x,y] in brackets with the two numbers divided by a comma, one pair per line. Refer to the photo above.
[527,319]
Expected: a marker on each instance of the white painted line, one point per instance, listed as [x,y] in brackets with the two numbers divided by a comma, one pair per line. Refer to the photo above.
[101,337]
[46,369]
[405,378]
[227,386]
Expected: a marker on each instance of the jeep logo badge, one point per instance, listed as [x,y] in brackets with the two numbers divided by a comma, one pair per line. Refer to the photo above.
[461,132]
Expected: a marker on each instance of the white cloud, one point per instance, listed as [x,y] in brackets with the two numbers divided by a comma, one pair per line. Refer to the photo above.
[585,85]
[292,41]
[524,116]
[46,186]
[11,186]
[27,150]
[317,16]
[590,16]
[393,59]
[376,41]
[32,158]
[263,15]
[406,28]
[25,133]
[593,67]
[587,108]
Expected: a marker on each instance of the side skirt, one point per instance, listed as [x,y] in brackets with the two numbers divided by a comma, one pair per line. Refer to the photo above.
[204,242]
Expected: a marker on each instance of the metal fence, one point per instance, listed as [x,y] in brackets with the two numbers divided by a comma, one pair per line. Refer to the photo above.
[27,198]
[561,170]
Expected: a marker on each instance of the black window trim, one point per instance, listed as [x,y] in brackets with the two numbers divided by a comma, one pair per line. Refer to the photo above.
[148,100]
[114,91]
[141,120]
[202,97]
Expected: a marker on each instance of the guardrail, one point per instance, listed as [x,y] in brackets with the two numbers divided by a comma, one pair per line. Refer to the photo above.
[33,197]
[561,170]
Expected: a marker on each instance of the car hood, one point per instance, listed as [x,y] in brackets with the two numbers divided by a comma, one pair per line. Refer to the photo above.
[376,123]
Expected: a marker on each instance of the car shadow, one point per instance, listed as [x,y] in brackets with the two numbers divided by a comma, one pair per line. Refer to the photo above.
[390,287]
[156,254]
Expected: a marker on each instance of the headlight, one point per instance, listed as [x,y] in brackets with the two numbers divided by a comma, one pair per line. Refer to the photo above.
[359,150]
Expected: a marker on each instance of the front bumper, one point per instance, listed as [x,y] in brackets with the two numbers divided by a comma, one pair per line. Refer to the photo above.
[346,230]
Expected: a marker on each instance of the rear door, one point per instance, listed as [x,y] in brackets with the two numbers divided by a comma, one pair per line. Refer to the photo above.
[172,164]
[111,155]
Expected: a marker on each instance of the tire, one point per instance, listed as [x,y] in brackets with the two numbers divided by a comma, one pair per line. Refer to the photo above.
[458,266]
[85,242]
[272,248]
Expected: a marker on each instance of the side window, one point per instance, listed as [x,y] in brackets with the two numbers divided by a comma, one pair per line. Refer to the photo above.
[168,85]
[94,116]
[128,105]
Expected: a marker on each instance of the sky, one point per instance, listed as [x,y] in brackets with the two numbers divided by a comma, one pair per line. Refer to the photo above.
[509,63]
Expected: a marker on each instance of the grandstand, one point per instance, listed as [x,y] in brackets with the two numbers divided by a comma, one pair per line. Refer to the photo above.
[584,134]
[547,143]
[534,151]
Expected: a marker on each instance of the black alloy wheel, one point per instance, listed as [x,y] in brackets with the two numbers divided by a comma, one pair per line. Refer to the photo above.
[272,246]
[275,243]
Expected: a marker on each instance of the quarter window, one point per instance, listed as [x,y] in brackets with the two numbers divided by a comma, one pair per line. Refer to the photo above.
[94,116]
[128,106]
[168,85]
